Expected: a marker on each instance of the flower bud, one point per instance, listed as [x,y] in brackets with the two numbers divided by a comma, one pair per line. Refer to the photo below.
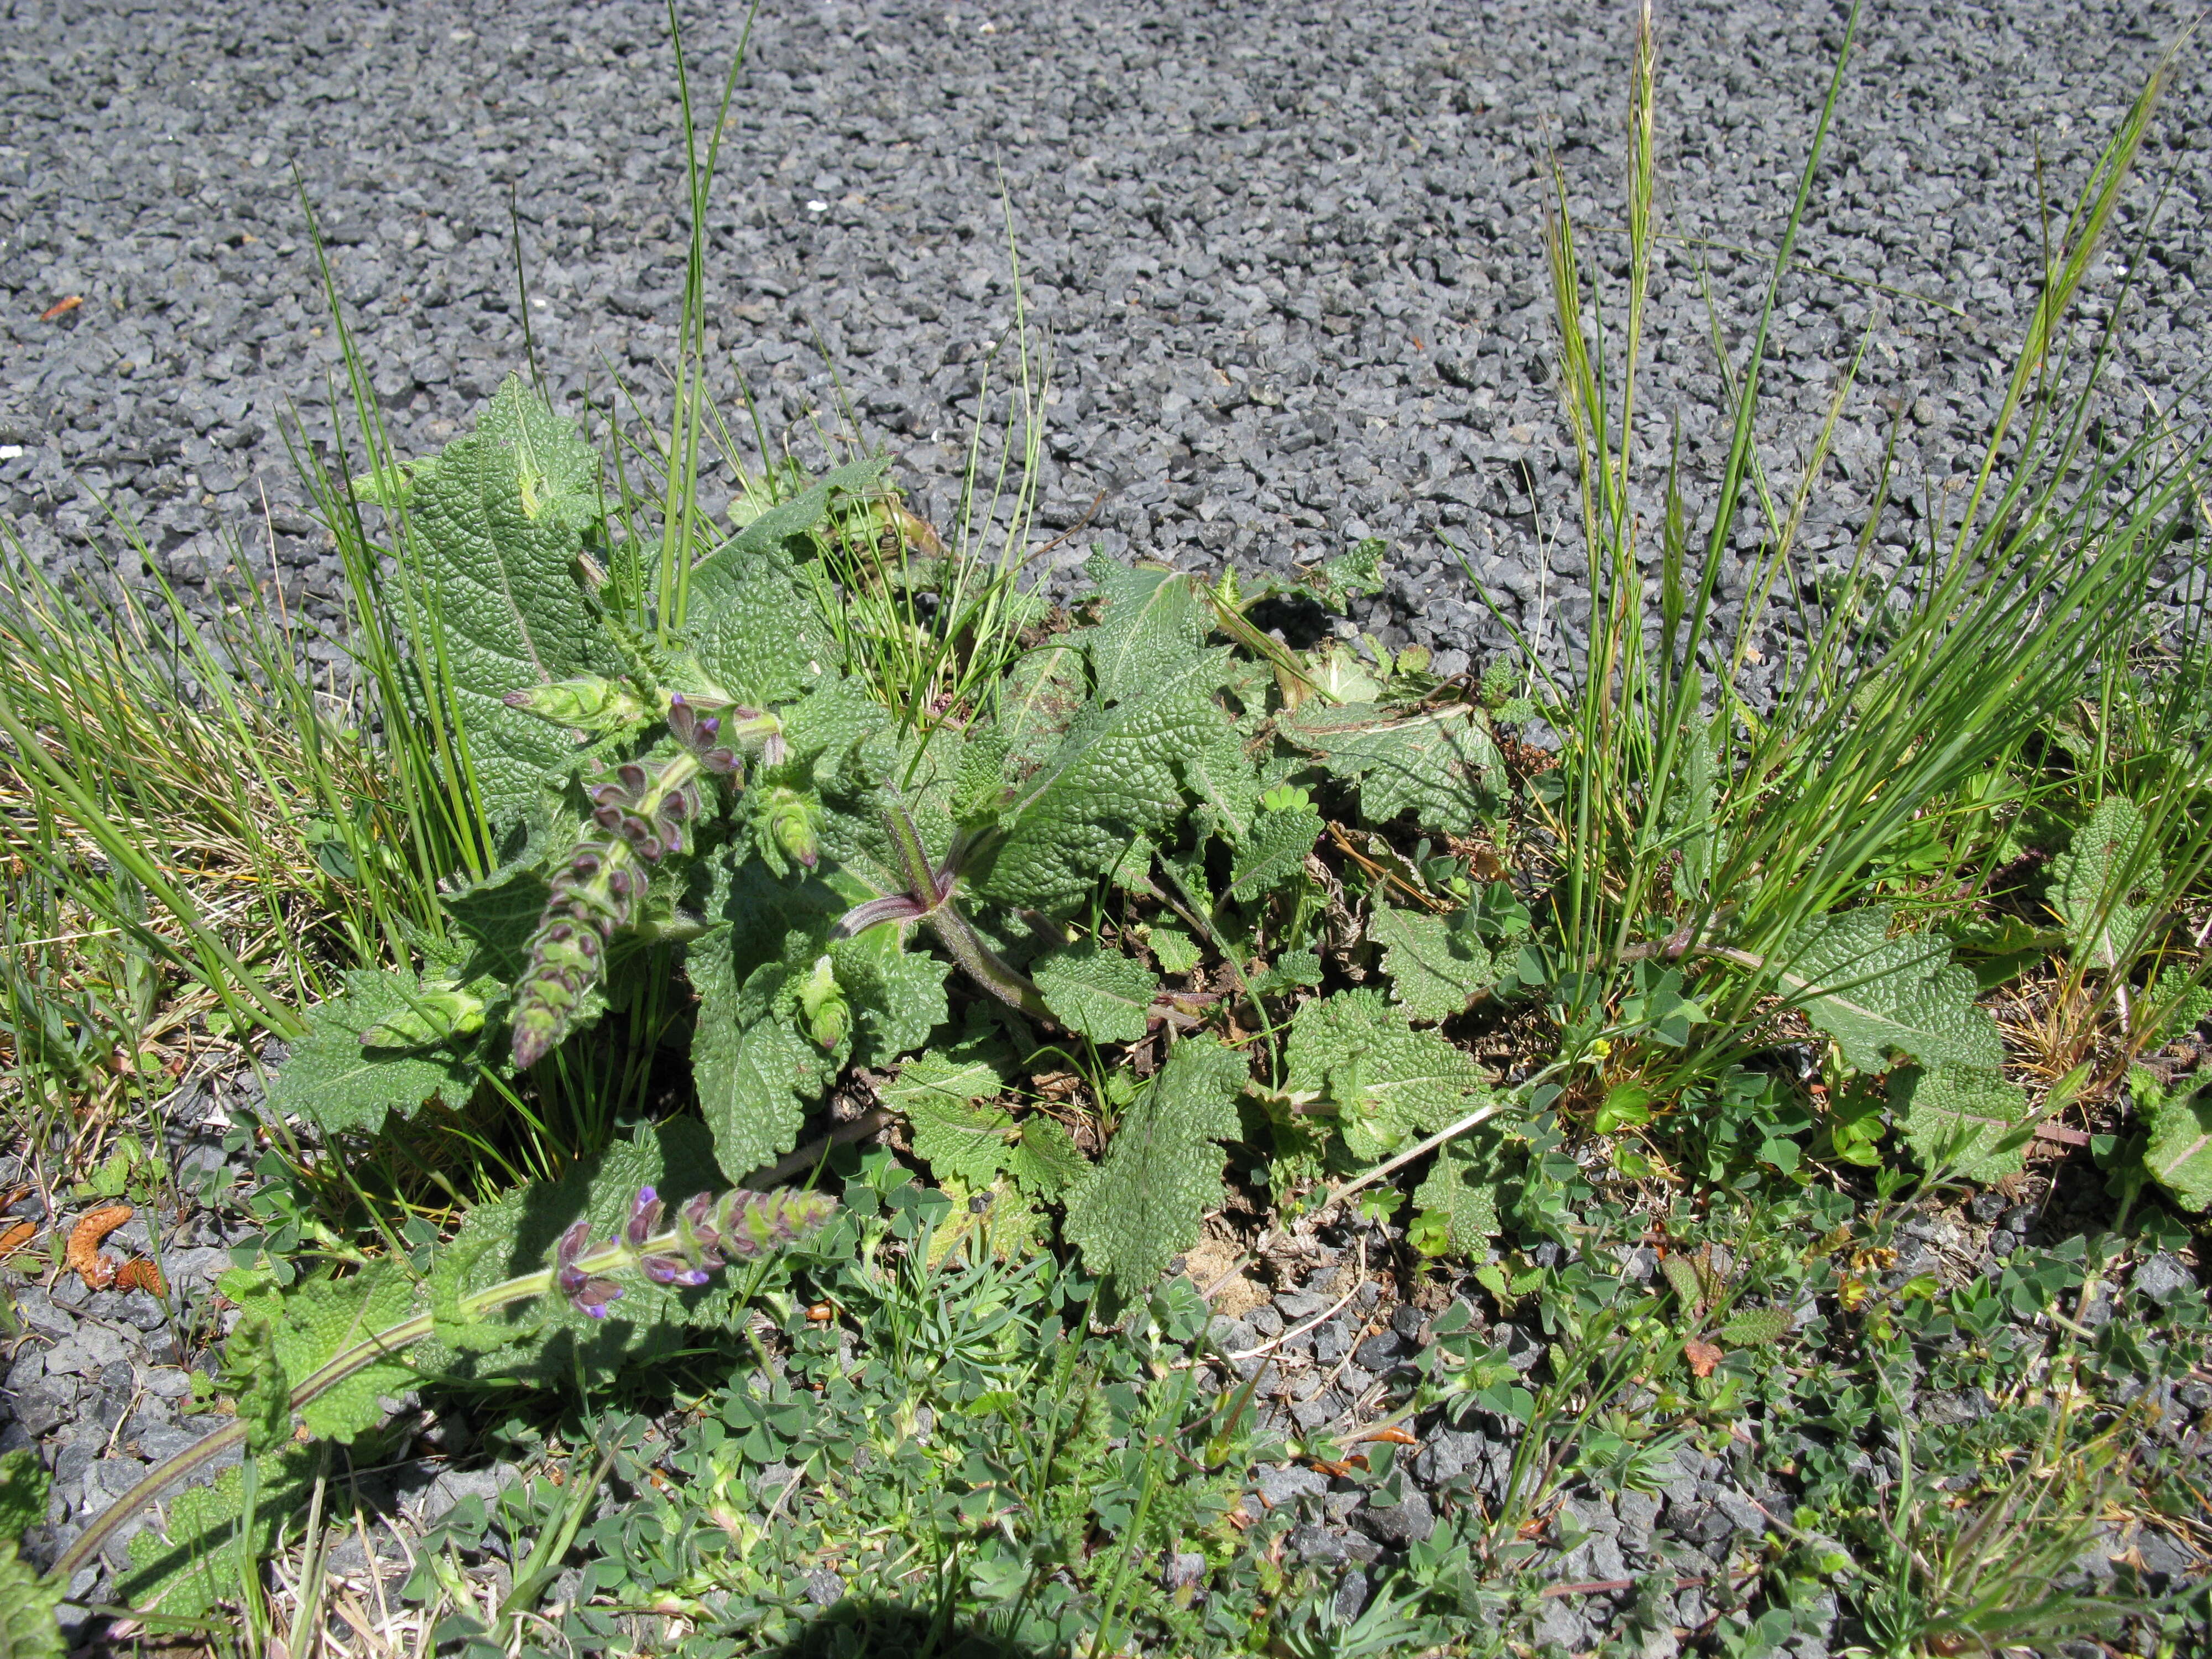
[587,701]
[822,1001]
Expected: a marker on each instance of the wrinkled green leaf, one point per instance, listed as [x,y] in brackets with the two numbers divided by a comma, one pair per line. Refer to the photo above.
[1039,700]
[498,522]
[1879,996]
[896,990]
[1046,1160]
[1150,623]
[1389,1082]
[1273,852]
[1226,785]
[1965,1118]
[1176,951]
[1098,993]
[957,1076]
[1755,1326]
[289,1335]
[1461,1189]
[960,1141]
[183,1567]
[767,533]
[24,1484]
[756,1074]
[1162,1171]
[2105,885]
[758,634]
[331,1080]
[2180,1153]
[1437,965]
[1442,766]
[1112,779]
[1336,581]
[27,1601]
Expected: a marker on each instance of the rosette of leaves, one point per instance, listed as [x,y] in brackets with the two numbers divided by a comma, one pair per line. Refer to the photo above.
[720,793]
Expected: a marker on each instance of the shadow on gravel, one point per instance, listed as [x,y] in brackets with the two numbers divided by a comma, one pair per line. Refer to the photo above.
[859,1627]
[1303,622]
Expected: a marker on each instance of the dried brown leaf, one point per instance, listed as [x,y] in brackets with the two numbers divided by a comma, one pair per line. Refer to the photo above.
[97,1271]
[139,1273]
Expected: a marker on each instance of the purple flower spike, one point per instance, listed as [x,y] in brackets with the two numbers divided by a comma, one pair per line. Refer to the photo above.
[710,726]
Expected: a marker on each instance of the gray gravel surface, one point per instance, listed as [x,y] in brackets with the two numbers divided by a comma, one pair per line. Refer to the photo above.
[1288,256]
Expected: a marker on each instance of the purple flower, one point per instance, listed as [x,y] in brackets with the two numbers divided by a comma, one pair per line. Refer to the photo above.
[644,1217]
[592,1298]
[587,1292]
[668,1270]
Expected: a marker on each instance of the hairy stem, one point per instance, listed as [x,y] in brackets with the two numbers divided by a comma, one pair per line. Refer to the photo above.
[984,965]
[233,1434]
[622,1253]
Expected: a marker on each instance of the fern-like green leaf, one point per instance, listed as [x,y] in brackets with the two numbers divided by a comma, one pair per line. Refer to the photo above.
[1162,1171]
[1437,965]
[1388,1083]
[1100,994]
[333,1081]
[1879,996]
[499,521]
[2180,1153]
[1967,1120]
[2102,886]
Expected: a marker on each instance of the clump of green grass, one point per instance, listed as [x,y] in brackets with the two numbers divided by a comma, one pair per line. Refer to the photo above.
[1932,725]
